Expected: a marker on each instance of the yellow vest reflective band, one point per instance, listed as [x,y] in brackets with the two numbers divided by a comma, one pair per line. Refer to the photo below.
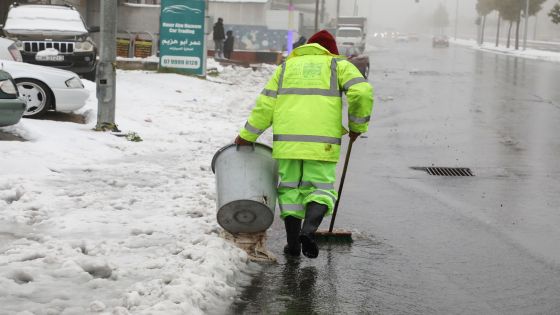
[302,101]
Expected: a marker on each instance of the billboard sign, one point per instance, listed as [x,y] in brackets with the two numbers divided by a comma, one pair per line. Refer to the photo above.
[182,46]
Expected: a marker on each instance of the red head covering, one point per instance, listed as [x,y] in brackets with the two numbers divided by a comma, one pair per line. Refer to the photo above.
[324,39]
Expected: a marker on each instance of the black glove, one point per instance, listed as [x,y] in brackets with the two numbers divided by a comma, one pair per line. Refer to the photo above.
[353,136]
[241,141]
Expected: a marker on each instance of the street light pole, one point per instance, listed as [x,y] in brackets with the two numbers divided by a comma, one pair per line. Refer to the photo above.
[316,16]
[526,25]
[106,69]
[456,17]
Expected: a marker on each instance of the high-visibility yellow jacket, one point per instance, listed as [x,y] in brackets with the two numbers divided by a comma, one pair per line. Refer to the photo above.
[303,103]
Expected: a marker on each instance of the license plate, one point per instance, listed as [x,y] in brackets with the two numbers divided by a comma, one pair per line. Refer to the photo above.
[49,58]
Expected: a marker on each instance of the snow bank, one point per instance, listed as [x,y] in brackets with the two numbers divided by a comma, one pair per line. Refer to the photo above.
[91,223]
[528,53]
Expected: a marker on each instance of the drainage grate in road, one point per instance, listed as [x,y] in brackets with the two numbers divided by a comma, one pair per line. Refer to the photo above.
[446,171]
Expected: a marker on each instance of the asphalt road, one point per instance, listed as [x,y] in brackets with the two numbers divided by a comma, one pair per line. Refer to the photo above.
[425,244]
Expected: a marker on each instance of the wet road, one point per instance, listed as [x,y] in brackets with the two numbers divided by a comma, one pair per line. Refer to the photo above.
[486,244]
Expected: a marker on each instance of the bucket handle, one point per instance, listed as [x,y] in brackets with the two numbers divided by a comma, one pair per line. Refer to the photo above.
[252,145]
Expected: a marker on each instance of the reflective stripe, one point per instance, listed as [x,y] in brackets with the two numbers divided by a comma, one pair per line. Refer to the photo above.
[304,138]
[359,120]
[269,93]
[348,84]
[291,207]
[281,79]
[324,186]
[288,185]
[334,77]
[332,91]
[252,129]
[310,91]
[324,193]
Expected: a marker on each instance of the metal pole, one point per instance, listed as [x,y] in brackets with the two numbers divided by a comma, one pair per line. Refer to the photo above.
[106,69]
[355,7]
[456,17]
[526,25]
[290,42]
[337,9]
[316,16]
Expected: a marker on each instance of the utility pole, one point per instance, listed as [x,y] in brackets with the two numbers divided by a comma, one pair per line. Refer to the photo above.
[106,72]
[316,16]
[456,17]
[337,10]
[526,25]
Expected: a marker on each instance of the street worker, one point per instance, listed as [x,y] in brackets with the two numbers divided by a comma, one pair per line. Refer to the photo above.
[303,103]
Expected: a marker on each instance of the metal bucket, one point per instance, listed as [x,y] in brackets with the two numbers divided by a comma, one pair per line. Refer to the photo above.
[246,180]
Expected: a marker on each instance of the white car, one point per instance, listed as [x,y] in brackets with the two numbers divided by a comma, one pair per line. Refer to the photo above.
[352,36]
[43,88]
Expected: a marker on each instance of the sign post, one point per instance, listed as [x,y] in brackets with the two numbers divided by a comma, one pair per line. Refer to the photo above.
[182,40]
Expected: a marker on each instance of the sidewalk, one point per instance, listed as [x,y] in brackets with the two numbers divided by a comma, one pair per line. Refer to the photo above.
[529,53]
[91,223]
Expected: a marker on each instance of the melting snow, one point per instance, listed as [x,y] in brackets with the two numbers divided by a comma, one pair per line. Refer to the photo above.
[92,223]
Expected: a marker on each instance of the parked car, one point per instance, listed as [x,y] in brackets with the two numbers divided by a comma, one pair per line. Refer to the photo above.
[11,106]
[360,60]
[52,35]
[440,41]
[43,88]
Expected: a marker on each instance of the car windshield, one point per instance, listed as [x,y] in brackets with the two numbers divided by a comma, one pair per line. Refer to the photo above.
[349,33]
[347,50]
[35,18]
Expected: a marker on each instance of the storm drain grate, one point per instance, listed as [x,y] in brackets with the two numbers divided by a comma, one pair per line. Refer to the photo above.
[446,171]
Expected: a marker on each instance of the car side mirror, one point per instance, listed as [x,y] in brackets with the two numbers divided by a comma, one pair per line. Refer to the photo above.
[94,29]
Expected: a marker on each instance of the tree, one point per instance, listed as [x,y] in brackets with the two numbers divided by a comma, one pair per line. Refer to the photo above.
[441,17]
[509,12]
[484,7]
[513,10]
[555,14]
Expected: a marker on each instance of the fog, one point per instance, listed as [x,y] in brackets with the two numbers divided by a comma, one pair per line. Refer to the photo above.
[409,16]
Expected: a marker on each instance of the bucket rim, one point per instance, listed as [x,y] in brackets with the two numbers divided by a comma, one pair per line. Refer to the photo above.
[224,148]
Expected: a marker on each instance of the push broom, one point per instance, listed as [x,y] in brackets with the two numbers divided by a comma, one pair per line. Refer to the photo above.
[337,235]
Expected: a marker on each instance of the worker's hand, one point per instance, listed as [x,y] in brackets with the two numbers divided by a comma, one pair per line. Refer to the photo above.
[241,141]
[353,136]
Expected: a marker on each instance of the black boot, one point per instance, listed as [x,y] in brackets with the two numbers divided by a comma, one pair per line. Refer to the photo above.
[293,227]
[313,218]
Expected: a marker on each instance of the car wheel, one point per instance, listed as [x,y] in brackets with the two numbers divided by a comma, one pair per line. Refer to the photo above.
[37,95]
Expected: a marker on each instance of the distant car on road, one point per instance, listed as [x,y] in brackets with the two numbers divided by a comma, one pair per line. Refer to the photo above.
[413,37]
[402,38]
[53,36]
[351,36]
[43,88]
[11,106]
[440,41]
[360,60]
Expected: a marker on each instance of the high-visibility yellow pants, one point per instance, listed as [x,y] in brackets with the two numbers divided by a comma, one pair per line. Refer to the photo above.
[304,181]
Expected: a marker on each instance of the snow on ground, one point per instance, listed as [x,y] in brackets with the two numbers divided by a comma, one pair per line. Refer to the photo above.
[91,223]
[529,53]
